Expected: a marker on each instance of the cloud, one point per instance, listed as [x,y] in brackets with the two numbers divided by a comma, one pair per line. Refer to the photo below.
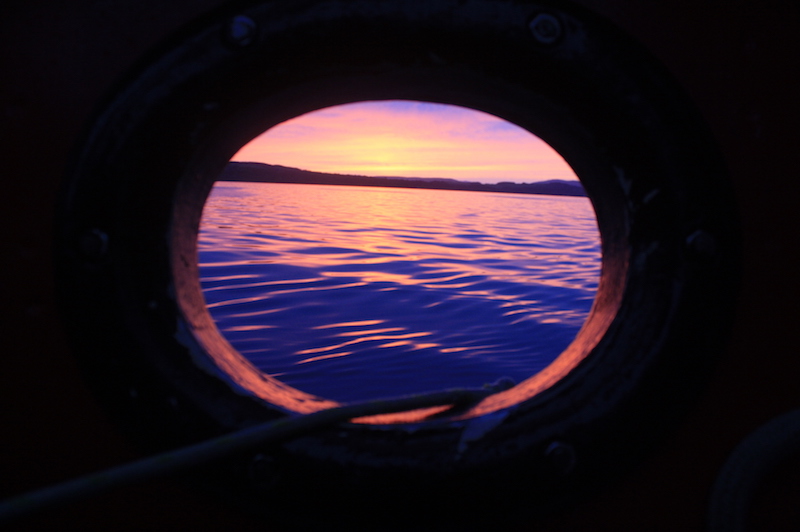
[410,139]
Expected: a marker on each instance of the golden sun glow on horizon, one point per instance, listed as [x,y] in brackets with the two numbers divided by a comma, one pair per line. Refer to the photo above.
[408,139]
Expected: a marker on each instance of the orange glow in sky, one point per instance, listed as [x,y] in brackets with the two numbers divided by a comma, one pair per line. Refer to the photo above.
[408,139]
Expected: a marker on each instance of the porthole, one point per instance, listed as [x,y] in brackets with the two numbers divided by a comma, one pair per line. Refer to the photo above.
[467,255]
[132,206]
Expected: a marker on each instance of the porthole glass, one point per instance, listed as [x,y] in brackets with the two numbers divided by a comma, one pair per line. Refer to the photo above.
[385,248]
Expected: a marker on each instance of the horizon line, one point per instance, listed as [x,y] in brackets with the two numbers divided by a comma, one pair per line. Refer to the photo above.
[575,180]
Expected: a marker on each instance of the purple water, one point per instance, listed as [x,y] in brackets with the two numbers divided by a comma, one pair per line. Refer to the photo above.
[352,293]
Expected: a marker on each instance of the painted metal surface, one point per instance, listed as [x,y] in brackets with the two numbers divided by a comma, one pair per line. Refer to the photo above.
[60,61]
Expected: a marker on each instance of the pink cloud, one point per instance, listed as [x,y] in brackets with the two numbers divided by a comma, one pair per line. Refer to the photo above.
[410,139]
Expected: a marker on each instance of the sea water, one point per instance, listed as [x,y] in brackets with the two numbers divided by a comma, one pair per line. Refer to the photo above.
[354,293]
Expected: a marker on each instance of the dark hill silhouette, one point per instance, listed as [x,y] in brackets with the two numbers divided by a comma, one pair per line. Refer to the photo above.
[269,173]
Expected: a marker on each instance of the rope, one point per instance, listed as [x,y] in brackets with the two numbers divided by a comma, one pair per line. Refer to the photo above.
[201,453]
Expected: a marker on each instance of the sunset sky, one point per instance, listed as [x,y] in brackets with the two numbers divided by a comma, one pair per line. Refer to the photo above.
[408,139]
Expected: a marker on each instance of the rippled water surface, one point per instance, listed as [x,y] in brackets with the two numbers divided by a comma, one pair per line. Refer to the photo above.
[352,293]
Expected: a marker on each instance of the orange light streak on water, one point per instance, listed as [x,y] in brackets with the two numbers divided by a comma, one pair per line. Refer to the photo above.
[355,293]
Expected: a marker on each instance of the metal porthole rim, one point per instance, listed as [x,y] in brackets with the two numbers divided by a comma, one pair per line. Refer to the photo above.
[133,199]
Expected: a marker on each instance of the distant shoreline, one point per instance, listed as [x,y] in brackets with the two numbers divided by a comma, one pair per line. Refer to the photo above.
[269,173]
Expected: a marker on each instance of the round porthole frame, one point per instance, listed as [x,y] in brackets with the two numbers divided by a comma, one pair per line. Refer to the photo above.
[131,207]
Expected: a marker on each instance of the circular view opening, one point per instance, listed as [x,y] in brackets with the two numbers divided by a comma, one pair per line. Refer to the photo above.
[387,248]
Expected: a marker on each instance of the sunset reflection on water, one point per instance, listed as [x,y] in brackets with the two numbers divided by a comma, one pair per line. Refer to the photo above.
[352,293]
